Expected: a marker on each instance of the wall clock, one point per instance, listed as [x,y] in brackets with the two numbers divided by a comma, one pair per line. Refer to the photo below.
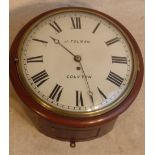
[77,70]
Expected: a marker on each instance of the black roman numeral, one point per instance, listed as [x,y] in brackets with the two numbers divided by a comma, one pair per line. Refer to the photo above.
[35,59]
[40,78]
[56,93]
[116,59]
[102,93]
[115,79]
[112,41]
[79,99]
[76,22]
[56,27]
[42,41]
[96,27]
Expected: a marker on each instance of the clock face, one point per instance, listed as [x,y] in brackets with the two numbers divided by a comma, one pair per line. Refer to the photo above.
[76,62]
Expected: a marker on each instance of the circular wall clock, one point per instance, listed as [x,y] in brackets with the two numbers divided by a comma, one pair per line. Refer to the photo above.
[77,70]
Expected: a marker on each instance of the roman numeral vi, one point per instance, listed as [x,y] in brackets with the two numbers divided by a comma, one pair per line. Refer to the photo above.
[79,99]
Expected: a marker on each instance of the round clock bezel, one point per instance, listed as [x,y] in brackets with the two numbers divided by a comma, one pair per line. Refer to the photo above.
[51,113]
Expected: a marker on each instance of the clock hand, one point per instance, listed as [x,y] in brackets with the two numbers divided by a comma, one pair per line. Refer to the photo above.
[56,41]
[90,93]
[77,58]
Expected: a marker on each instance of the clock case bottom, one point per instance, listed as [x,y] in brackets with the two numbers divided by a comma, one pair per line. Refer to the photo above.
[65,133]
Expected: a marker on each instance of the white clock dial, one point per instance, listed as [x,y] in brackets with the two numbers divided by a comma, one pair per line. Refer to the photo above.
[76,61]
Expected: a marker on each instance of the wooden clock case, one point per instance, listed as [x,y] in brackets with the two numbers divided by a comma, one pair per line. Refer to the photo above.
[69,128]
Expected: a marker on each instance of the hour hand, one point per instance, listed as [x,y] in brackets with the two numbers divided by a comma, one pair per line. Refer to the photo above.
[56,41]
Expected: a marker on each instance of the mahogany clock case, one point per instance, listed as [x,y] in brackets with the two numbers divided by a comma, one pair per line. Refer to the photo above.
[49,118]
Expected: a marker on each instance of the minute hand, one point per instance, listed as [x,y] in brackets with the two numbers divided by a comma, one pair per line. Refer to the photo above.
[56,41]
[77,58]
[90,93]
